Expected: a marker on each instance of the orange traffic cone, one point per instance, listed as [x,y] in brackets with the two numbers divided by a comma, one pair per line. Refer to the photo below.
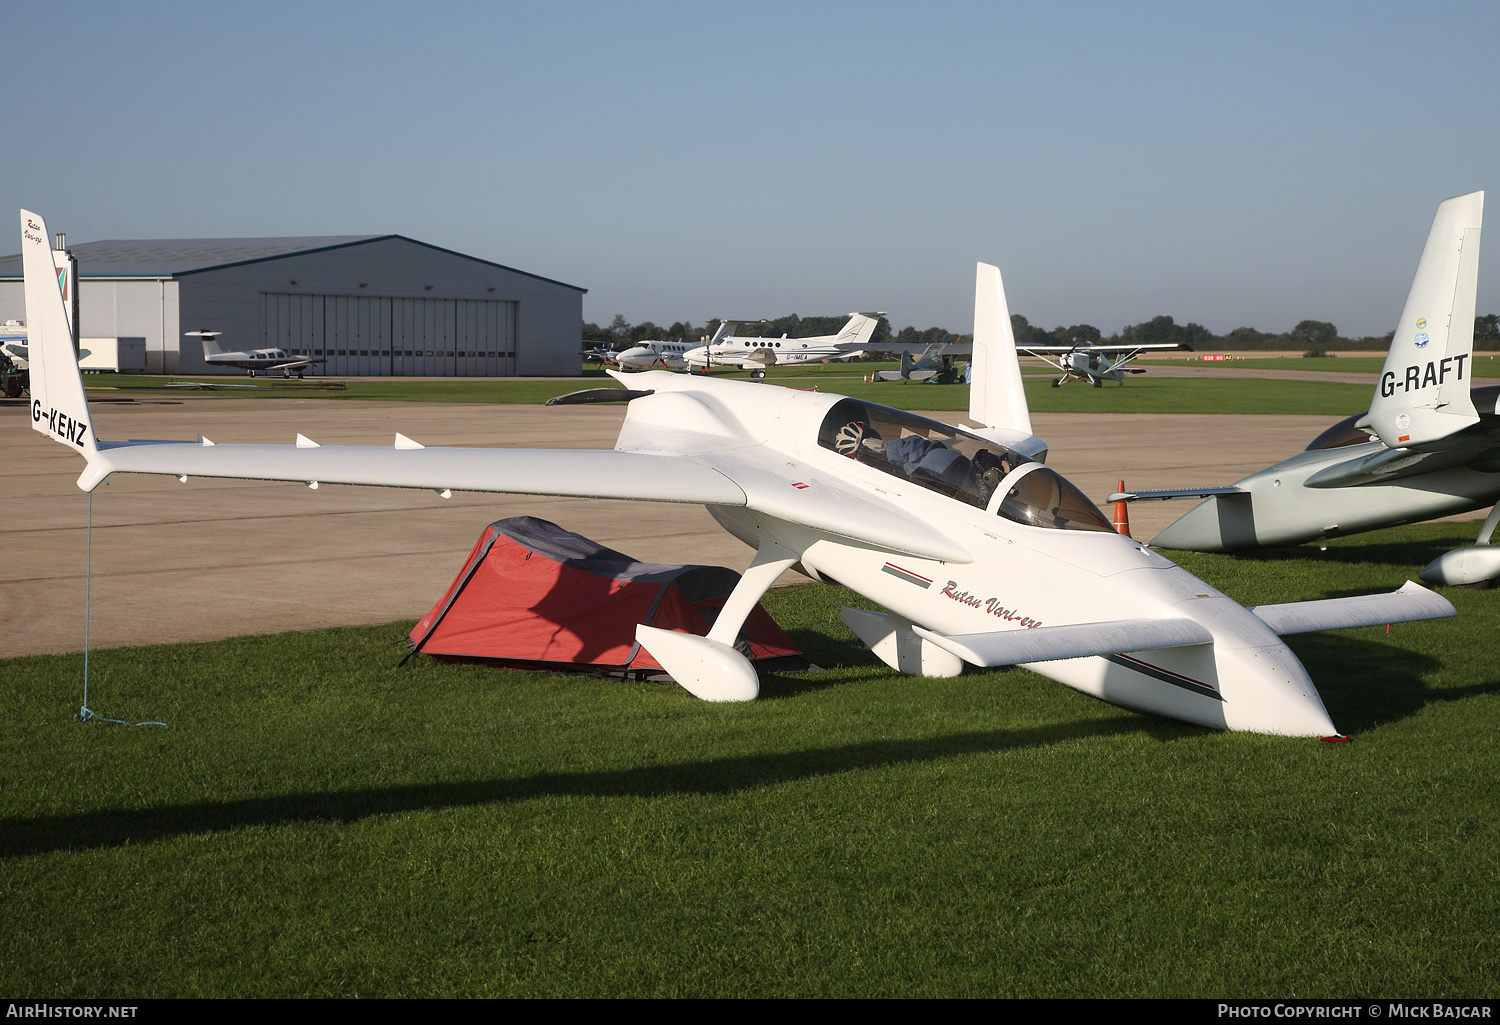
[1122,514]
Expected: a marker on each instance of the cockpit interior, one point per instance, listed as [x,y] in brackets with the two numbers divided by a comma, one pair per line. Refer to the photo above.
[958,465]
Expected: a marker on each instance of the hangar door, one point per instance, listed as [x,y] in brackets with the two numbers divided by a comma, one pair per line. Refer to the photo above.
[378,336]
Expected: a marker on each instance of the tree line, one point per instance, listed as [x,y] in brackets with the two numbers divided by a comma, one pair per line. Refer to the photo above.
[1309,336]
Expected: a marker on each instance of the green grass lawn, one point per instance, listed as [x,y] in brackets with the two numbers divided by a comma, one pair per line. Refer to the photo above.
[1484,364]
[316,821]
[1141,394]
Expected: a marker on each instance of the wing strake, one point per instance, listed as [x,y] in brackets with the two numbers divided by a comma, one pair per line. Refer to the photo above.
[1048,643]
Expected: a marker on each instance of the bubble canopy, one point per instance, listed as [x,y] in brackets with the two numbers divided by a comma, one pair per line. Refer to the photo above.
[958,465]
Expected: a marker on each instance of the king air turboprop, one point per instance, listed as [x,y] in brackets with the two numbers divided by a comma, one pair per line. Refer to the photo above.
[756,354]
[1428,447]
[666,355]
[980,552]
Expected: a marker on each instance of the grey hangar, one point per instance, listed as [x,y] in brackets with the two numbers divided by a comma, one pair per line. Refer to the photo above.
[376,305]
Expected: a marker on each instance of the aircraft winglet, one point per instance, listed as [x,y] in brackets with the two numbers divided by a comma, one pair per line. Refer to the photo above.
[1423,394]
[996,395]
[58,406]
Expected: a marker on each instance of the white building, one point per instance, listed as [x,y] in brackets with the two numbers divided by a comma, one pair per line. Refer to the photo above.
[368,304]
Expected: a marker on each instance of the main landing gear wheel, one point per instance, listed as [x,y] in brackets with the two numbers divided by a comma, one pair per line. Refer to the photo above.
[757,375]
[1098,383]
[250,372]
[1057,382]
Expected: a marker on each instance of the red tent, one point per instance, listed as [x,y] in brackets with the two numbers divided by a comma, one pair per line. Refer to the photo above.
[535,596]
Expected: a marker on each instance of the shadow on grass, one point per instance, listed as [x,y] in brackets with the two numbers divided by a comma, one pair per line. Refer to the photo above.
[849,661]
[1417,552]
[1365,684]
[20,837]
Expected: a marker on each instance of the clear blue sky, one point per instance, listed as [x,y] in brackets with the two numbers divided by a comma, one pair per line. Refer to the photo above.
[1230,164]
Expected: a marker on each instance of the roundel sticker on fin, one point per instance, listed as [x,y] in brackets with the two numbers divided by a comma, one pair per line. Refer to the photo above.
[1421,340]
[1421,323]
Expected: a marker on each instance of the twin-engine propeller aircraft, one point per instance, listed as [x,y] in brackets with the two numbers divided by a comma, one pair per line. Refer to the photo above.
[1089,361]
[756,354]
[255,361]
[667,355]
[980,552]
[654,356]
[1427,447]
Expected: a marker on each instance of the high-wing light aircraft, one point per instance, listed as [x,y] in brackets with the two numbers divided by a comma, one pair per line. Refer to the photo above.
[756,354]
[980,552]
[255,361]
[1427,447]
[1089,361]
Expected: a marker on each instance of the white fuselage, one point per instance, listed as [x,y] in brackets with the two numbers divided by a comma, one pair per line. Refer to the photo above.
[262,361]
[1277,507]
[757,353]
[655,356]
[1019,576]
[1082,364]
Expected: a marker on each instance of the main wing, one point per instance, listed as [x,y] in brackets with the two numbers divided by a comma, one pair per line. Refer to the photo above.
[295,364]
[568,472]
[1063,350]
[60,410]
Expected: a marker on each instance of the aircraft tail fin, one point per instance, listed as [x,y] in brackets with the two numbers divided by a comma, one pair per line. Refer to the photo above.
[857,332]
[211,344]
[906,363]
[996,398]
[726,328]
[1423,394]
[59,408]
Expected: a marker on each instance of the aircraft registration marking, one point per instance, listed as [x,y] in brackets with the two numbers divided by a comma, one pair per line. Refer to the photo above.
[906,574]
[1419,376]
[60,424]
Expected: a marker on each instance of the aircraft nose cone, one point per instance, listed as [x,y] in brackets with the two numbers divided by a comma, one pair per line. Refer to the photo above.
[1266,690]
[1197,531]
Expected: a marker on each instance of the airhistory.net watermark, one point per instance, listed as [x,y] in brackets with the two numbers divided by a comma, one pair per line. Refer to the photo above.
[48,1010]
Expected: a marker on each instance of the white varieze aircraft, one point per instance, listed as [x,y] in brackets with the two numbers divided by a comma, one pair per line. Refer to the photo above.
[979,551]
[757,354]
[1428,447]
[256,361]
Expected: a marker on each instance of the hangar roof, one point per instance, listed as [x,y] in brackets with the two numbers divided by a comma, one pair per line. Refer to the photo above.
[172,257]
